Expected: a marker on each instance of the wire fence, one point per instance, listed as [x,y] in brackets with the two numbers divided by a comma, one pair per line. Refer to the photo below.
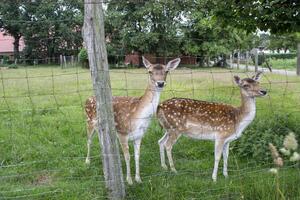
[43,133]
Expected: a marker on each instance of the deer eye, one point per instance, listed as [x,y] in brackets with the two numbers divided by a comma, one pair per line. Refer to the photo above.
[246,86]
[150,72]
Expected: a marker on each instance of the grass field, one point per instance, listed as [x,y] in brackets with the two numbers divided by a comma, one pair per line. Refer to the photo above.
[43,142]
[288,64]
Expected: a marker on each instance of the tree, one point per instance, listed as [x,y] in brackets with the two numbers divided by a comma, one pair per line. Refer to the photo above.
[145,26]
[276,16]
[11,21]
[53,28]
[205,37]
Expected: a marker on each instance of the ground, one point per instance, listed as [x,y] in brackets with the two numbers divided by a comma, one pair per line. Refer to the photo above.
[43,141]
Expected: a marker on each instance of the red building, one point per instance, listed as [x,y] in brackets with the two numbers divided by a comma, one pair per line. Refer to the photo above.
[7,46]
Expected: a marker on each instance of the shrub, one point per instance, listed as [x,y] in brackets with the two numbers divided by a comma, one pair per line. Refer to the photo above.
[5,59]
[282,55]
[261,59]
[83,58]
[256,138]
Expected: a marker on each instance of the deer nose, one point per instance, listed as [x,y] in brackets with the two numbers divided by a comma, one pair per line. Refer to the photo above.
[160,84]
[263,92]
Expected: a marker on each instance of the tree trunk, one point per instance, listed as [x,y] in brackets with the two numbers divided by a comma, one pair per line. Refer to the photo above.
[94,37]
[16,46]
[298,59]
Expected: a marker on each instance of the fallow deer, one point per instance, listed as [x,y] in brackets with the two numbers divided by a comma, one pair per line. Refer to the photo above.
[132,114]
[208,121]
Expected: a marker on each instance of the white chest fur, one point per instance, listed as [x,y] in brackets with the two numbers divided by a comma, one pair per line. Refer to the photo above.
[245,121]
[144,117]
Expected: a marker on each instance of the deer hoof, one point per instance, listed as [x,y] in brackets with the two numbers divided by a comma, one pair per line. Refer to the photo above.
[87,161]
[164,167]
[138,179]
[174,170]
[129,180]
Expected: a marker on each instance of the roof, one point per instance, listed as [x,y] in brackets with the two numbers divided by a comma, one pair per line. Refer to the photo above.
[6,43]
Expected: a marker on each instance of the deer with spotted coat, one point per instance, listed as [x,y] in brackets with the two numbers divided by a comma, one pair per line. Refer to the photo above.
[208,121]
[132,114]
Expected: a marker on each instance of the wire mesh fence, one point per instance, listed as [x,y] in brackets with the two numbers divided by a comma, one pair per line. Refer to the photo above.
[43,135]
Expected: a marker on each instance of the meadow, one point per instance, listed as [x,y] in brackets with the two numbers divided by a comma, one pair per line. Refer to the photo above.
[43,137]
[287,64]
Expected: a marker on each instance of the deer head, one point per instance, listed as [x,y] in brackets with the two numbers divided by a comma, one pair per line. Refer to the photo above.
[250,87]
[158,72]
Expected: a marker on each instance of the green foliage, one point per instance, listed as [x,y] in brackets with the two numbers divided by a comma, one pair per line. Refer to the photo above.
[282,55]
[83,58]
[50,28]
[269,129]
[261,58]
[289,64]
[278,16]
[5,59]
[13,66]
[83,55]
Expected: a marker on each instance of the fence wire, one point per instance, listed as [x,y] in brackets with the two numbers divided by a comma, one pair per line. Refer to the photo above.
[43,132]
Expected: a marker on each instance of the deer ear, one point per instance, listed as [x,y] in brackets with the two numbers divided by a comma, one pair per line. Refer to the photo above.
[146,62]
[237,80]
[257,76]
[173,64]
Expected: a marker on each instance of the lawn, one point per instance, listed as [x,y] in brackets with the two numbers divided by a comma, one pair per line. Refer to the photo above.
[288,64]
[43,142]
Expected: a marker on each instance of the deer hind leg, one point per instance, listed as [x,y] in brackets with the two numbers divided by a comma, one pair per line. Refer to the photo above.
[171,140]
[90,133]
[162,143]
[137,145]
[219,146]
[225,159]
[125,148]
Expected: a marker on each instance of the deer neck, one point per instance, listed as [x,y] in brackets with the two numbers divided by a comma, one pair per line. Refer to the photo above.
[150,99]
[247,110]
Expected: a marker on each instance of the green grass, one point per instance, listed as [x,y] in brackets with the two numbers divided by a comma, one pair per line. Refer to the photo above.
[288,64]
[43,142]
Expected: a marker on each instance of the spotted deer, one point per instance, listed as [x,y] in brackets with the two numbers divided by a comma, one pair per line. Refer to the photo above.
[208,121]
[132,114]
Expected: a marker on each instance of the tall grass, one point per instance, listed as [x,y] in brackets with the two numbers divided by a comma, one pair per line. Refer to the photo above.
[43,142]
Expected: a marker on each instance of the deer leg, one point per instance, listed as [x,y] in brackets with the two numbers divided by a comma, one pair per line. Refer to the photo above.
[219,145]
[169,145]
[125,148]
[162,143]
[137,145]
[90,133]
[225,158]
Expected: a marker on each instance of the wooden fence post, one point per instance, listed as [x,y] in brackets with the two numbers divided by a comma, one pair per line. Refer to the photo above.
[61,61]
[298,59]
[230,58]
[256,59]
[65,61]
[247,60]
[238,60]
[93,34]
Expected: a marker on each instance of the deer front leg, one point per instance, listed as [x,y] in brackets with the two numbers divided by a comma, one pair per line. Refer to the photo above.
[225,159]
[219,145]
[169,145]
[162,143]
[90,134]
[137,146]
[125,148]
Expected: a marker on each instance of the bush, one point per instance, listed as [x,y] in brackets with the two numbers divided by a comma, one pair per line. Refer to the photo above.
[261,59]
[83,58]
[255,139]
[282,55]
[5,59]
